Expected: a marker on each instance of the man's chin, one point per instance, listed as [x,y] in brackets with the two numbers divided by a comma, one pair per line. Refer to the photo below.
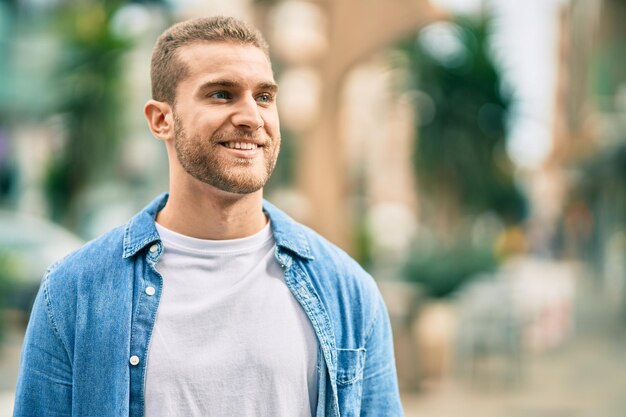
[236,188]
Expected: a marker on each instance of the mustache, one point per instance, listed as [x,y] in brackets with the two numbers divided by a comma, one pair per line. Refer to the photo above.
[233,136]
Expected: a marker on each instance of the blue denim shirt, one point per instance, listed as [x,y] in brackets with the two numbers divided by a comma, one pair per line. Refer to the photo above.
[92,315]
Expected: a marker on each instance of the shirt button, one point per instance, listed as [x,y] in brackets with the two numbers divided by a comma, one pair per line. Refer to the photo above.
[154,248]
[150,290]
[134,360]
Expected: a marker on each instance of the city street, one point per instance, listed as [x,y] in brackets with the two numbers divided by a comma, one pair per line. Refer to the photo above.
[583,378]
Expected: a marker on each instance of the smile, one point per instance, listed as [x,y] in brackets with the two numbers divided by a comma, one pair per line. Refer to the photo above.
[240,145]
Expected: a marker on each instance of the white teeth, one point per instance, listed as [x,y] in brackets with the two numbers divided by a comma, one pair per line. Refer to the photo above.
[241,145]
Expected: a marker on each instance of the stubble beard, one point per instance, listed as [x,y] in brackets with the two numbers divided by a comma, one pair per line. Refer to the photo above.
[200,158]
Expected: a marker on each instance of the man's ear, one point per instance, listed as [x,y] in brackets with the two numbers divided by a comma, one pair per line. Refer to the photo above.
[160,119]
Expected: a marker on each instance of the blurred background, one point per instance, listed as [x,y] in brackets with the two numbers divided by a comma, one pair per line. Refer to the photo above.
[471,154]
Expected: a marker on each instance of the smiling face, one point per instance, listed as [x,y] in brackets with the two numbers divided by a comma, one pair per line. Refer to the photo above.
[226,130]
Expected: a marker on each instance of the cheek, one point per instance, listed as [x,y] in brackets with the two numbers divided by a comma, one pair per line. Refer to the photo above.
[208,121]
[272,124]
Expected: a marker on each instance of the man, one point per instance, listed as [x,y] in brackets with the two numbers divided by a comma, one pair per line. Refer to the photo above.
[210,301]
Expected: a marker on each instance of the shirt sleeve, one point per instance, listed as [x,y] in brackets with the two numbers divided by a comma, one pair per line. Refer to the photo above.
[381,397]
[44,385]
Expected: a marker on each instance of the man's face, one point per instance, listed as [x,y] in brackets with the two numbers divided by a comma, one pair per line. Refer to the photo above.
[225,118]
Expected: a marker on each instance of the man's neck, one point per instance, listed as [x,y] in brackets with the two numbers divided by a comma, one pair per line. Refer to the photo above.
[209,213]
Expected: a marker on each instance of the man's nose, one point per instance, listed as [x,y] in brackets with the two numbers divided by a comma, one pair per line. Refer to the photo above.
[247,115]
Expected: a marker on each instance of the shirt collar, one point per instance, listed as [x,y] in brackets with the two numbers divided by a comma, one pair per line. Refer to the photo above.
[140,231]
[288,234]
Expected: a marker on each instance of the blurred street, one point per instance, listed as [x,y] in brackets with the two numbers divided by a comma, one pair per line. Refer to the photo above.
[583,378]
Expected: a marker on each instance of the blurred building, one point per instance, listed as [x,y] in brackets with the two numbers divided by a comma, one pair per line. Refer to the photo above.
[320,44]
[589,156]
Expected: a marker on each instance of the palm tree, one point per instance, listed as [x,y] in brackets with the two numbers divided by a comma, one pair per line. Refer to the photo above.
[460,158]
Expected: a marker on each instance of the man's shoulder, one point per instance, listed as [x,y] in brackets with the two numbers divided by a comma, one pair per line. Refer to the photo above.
[93,257]
[337,270]
[304,241]
[348,292]
[106,253]
[327,252]
[325,262]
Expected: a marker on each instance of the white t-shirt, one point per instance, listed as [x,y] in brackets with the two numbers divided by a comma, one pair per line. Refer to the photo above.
[229,338]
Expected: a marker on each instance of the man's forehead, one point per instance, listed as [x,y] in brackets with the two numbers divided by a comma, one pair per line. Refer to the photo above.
[208,64]
[220,52]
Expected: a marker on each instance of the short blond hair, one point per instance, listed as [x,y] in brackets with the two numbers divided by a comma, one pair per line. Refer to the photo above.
[167,70]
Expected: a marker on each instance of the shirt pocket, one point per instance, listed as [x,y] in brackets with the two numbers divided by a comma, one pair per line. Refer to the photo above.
[350,366]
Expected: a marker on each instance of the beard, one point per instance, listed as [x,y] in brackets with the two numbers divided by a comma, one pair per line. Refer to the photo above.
[207,160]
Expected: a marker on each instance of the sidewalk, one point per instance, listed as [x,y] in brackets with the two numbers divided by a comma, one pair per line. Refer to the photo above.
[583,378]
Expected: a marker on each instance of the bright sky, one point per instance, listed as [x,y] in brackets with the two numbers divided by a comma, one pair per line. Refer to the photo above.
[524,43]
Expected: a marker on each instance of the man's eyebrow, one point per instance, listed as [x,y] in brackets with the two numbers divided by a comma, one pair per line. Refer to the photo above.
[226,83]
[218,83]
[272,87]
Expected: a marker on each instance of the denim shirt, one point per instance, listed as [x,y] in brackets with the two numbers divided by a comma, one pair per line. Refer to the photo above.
[86,346]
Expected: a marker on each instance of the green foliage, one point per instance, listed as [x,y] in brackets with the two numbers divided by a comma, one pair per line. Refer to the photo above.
[363,243]
[6,285]
[91,103]
[461,124]
[445,270]
[7,273]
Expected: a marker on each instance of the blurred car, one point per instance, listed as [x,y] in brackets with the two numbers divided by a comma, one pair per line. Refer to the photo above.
[28,246]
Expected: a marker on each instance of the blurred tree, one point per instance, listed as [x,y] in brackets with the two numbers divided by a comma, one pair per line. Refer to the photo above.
[439,277]
[90,103]
[460,161]
[460,157]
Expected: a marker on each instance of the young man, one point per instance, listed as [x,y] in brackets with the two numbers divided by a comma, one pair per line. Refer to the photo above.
[210,301]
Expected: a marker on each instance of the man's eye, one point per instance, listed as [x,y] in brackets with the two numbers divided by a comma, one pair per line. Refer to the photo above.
[220,95]
[265,98]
